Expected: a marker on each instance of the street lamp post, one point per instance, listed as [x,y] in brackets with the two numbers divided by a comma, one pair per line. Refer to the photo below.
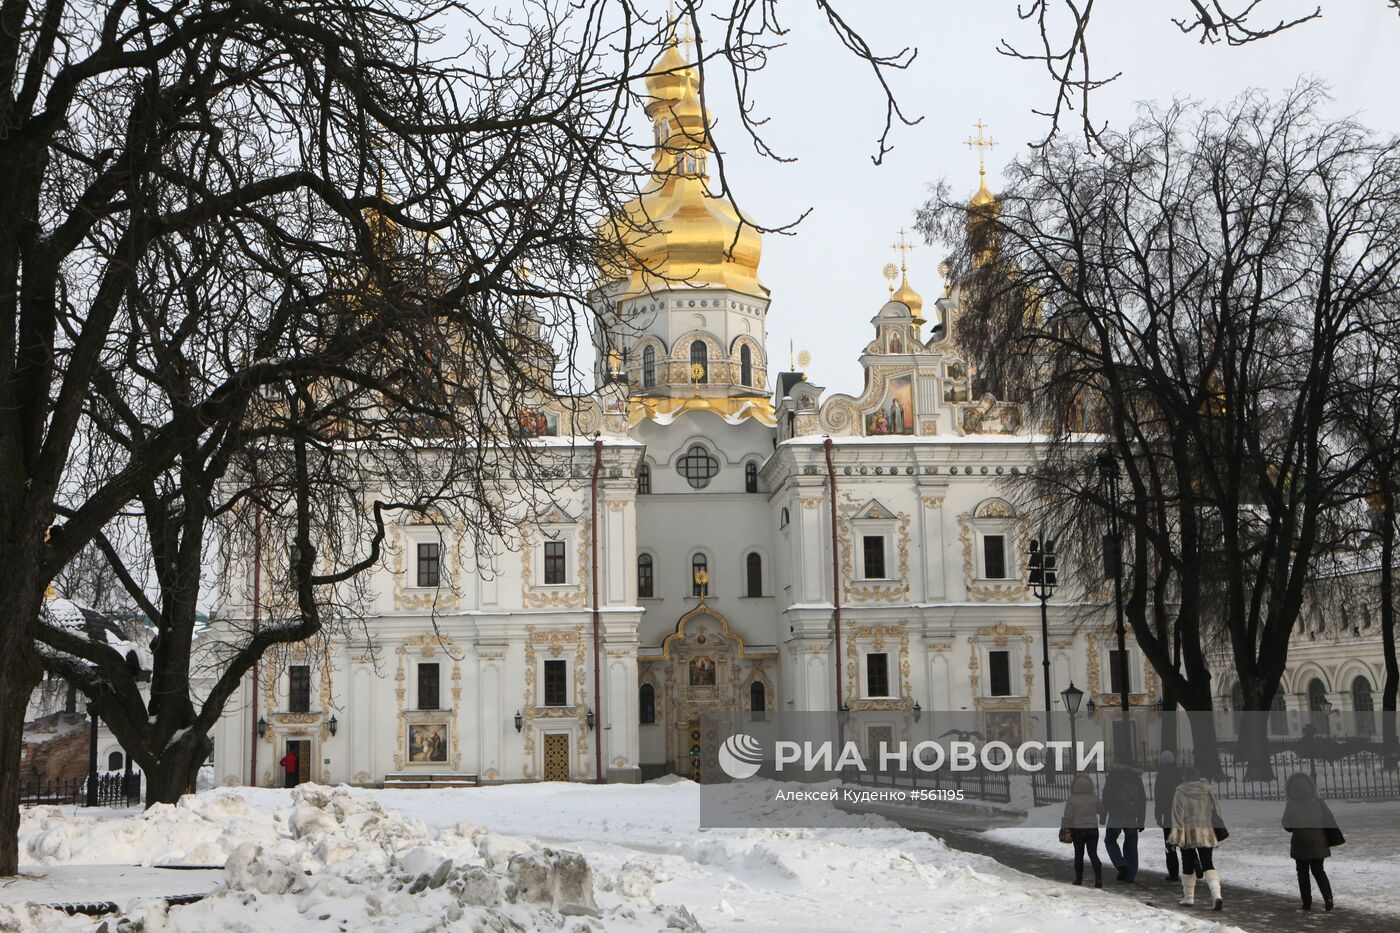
[1072,697]
[1043,579]
[92,756]
[1108,473]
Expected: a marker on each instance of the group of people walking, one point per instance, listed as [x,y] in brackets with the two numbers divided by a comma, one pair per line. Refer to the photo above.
[1185,807]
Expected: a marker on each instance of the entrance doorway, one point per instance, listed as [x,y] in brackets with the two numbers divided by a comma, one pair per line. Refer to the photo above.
[556,756]
[302,749]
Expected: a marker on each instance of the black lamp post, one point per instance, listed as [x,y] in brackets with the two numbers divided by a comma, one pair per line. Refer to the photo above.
[1072,697]
[1043,579]
[1113,550]
[92,756]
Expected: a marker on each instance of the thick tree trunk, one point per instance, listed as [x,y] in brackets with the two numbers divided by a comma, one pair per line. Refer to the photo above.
[1389,743]
[22,674]
[176,772]
[1205,744]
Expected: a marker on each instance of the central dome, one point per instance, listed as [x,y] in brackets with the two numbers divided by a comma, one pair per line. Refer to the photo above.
[676,232]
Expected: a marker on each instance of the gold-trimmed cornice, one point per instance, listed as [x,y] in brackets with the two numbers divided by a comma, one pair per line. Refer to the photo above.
[705,609]
[758,408]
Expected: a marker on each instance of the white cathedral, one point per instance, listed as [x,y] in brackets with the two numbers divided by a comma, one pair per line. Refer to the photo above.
[698,563]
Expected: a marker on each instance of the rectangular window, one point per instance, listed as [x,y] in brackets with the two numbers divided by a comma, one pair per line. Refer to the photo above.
[877,675]
[874,546]
[556,683]
[999,673]
[429,564]
[428,686]
[553,562]
[1116,671]
[299,688]
[994,557]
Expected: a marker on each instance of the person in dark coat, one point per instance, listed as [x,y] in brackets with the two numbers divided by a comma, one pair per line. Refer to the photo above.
[1308,819]
[1163,790]
[1124,810]
[1081,818]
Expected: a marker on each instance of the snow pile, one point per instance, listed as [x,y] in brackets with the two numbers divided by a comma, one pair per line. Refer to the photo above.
[567,857]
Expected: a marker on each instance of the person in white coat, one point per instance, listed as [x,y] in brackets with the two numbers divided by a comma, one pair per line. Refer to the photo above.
[1196,830]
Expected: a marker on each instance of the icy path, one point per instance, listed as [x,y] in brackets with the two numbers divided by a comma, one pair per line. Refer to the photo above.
[648,865]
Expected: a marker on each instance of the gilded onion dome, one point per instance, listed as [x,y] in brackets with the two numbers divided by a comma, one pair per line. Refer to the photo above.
[676,232]
[911,299]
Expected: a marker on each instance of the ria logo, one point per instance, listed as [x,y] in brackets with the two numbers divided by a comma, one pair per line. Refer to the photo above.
[740,756]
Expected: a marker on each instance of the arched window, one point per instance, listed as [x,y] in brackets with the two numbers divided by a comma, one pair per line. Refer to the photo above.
[1317,704]
[115,761]
[751,477]
[1364,705]
[699,354]
[758,700]
[746,365]
[643,480]
[753,575]
[646,704]
[697,466]
[649,367]
[646,577]
[783,518]
[699,564]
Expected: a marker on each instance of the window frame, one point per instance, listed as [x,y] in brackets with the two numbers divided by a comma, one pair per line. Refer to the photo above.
[866,538]
[745,365]
[751,476]
[753,575]
[870,683]
[992,673]
[1125,665]
[423,563]
[695,454]
[298,688]
[649,366]
[985,540]
[644,480]
[559,561]
[646,704]
[700,353]
[549,682]
[436,681]
[699,560]
[758,711]
[646,576]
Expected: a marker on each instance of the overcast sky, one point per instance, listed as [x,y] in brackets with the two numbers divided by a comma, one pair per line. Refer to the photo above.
[826,112]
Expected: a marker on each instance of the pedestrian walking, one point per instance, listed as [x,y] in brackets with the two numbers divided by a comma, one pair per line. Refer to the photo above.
[1124,810]
[1080,826]
[1314,832]
[1163,790]
[1196,830]
[291,766]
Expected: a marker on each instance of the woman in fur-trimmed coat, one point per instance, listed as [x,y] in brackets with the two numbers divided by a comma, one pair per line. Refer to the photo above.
[1195,817]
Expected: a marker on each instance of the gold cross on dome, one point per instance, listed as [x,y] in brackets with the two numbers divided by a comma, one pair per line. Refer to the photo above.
[901,247]
[981,144]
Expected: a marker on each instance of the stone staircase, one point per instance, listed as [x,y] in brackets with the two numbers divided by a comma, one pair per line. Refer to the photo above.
[426,780]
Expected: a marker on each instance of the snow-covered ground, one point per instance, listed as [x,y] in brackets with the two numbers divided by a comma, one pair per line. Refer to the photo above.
[1364,872]
[533,857]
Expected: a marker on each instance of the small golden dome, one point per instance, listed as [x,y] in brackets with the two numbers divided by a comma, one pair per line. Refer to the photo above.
[910,299]
[984,199]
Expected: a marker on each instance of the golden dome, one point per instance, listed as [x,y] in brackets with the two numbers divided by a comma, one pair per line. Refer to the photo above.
[910,299]
[984,199]
[676,231]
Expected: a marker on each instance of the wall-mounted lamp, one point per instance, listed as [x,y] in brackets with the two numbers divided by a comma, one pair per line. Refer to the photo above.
[333,725]
[918,711]
[519,721]
[262,727]
[591,720]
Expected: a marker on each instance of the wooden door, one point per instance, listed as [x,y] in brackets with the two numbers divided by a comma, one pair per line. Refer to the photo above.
[302,749]
[556,756]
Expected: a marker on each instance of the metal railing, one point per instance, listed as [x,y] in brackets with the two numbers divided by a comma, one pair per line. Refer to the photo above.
[978,784]
[113,790]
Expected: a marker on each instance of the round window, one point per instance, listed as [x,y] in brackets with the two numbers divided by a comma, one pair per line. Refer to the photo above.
[698,467]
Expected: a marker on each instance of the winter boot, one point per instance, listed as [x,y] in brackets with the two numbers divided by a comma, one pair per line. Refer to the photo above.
[1213,881]
[1188,889]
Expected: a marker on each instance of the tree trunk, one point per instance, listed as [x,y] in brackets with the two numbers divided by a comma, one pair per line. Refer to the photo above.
[1389,744]
[1205,745]
[22,674]
[176,772]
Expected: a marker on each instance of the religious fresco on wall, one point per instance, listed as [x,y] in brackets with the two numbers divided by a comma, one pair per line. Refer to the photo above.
[702,671]
[427,742]
[1004,727]
[896,416]
[538,422]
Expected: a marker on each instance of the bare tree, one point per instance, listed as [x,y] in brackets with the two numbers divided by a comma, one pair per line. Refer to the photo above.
[1182,302]
[199,199]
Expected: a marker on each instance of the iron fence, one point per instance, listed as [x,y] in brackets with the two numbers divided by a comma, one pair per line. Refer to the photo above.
[1359,776]
[113,790]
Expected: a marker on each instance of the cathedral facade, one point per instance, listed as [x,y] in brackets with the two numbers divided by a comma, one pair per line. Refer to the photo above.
[714,513]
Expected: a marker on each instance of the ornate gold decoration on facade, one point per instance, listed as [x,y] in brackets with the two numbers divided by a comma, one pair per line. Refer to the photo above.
[1011,591]
[1000,634]
[737,408]
[877,635]
[932,502]
[554,642]
[811,502]
[554,596]
[447,599]
[894,591]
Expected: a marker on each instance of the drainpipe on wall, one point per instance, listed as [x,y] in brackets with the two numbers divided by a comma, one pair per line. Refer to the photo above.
[257,589]
[835,577]
[597,636]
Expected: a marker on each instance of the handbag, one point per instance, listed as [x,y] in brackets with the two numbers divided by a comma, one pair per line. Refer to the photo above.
[1066,835]
[1334,836]
[1218,824]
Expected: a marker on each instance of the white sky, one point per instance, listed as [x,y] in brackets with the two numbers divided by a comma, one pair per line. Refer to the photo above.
[826,112]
